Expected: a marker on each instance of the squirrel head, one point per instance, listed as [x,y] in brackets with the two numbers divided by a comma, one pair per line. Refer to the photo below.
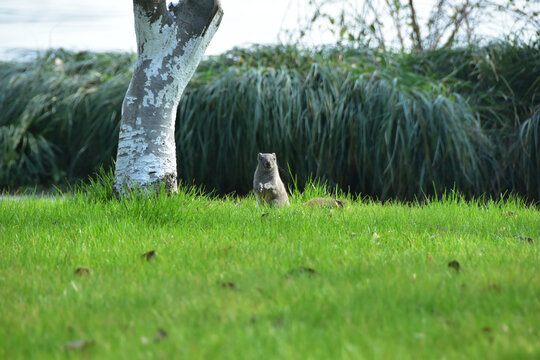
[267,161]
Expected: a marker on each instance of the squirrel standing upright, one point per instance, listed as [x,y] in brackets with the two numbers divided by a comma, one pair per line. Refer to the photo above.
[267,184]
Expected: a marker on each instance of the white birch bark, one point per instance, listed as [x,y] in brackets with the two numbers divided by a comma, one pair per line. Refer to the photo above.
[170,45]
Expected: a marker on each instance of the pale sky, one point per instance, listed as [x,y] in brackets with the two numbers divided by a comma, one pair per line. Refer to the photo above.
[101,25]
[108,24]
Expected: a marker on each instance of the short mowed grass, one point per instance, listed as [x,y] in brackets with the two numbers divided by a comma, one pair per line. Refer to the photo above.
[230,280]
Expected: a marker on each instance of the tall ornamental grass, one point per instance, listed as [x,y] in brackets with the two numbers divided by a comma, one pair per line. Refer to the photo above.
[380,124]
[360,133]
[60,115]
[501,82]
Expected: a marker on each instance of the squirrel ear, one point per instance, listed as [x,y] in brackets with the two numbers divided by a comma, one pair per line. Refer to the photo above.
[259,156]
[274,155]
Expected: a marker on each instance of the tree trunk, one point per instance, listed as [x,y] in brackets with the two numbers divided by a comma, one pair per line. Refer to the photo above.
[170,45]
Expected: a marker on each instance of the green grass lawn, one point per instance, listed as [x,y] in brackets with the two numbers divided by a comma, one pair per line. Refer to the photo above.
[234,281]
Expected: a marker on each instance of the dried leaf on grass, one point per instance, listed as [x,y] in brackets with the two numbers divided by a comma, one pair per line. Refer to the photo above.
[150,255]
[454,264]
[278,322]
[158,336]
[81,270]
[228,285]
[492,287]
[227,248]
[302,270]
[78,344]
[526,239]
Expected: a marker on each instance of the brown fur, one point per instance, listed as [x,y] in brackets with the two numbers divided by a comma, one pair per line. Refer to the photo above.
[267,184]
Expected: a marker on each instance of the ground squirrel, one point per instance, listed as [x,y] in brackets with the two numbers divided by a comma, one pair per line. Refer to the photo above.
[267,184]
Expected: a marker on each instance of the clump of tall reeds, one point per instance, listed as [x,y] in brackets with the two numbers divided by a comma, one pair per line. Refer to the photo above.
[59,115]
[365,134]
[380,124]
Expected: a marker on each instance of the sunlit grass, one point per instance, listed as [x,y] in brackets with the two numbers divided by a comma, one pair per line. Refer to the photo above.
[231,280]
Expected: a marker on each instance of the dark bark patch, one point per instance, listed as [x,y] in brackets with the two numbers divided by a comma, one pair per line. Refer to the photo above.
[154,9]
[194,16]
